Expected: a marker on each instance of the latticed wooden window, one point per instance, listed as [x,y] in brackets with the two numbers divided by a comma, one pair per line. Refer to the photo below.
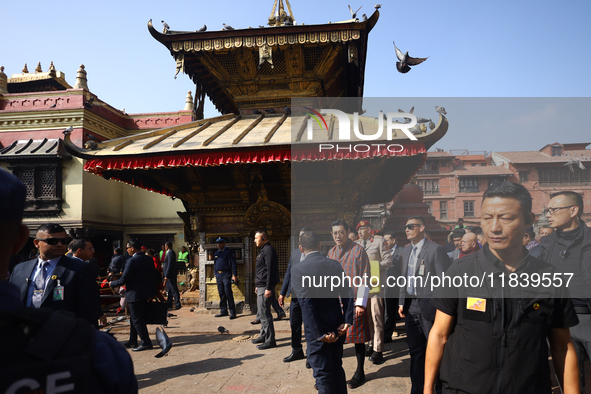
[283,253]
[48,183]
[28,178]
[312,56]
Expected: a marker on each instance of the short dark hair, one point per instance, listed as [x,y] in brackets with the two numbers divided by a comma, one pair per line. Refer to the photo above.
[169,244]
[477,230]
[118,251]
[391,233]
[51,228]
[77,243]
[530,232]
[264,233]
[575,197]
[310,240]
[340,223]
[150,252]
[135,243]
[462,219]
[419,219]
[306,229]
[512,190]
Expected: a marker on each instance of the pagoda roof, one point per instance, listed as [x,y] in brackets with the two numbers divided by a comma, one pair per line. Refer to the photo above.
[322,60]
[32,149]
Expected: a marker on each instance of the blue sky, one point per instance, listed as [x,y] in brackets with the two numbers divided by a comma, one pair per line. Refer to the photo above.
[476,49]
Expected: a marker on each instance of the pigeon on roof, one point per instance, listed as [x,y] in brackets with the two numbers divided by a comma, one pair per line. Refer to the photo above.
[204,28]
[68,130]
[431,125]
[166,27]
[353,14]
[377,6]
[440,110]
[227,27]
[364,17]
[92,137]
[406,60]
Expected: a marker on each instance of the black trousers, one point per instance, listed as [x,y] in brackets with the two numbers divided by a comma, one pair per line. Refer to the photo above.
[173,292]
[326,360]
[224,282]
[137,310]
[295,322]
[417,333]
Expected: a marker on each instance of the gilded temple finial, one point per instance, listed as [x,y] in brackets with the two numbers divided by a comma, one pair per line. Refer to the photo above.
[278,15]
[25,69]
[189,102]
[81,82]
[38,69]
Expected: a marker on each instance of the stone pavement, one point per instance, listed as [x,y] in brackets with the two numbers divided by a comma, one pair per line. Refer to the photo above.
[204,361]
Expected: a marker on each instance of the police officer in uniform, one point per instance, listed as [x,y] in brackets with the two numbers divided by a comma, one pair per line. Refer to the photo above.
[493,338]
[45,350]
[224,266]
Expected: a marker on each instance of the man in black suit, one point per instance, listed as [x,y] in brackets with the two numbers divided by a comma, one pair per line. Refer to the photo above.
[170,276]
[421,258]
[295,309]
[56,281]
[325,322]
[392,291]
[139,278]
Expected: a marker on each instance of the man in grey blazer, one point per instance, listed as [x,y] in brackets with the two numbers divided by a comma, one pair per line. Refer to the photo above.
[421,258]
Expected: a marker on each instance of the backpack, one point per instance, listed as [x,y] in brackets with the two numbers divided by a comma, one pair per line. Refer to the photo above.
[45,351]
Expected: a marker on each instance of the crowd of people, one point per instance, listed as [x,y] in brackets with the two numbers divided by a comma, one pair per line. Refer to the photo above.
[493,337]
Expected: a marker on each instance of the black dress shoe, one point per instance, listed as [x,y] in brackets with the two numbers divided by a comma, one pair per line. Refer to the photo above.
[130,345]
[265,346]
[257,340]
[176,308]
[295,355]
[377,358]
[368,350]
[356,381]
[256,321]
[308,364]
[281,316]
[221,315]
[141,348]
[232,317]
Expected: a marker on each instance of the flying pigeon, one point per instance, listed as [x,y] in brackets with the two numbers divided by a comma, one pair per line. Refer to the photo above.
[166,27]
[575,161]
[222,330]
[227,27]
[353,14]
[68,130]
[204,28]
[422,120]
[377,6]
[431,125]
[364,17]
[406,61]
[163,342]
[407,120]
[440,110]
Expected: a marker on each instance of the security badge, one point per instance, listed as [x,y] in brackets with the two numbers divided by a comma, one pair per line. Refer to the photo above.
[476,304]
[422,268]
[58,291]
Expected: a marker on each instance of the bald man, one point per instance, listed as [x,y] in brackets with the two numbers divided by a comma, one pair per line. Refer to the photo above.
[469,244]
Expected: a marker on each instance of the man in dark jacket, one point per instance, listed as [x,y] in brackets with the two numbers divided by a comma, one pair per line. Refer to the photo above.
[140,284]
[117,264]
[568,248]
[266,277]
[325,322]
[170,276]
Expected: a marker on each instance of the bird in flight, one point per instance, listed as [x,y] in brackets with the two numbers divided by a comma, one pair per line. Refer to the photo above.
[353,14]
[406,60]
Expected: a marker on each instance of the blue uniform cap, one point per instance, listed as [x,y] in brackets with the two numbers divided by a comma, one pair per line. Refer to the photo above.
[220,240]
[12,197]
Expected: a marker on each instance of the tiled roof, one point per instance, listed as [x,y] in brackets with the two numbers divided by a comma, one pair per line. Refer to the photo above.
[480,171]
[440,154]
[539,157]
[34,148]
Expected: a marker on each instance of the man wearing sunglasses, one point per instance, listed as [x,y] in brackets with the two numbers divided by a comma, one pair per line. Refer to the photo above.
[568,248]
[56,281]
[420,258]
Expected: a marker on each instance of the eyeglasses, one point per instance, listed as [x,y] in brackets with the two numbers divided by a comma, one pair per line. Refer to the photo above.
[410,226]
[552,211]
[54,241]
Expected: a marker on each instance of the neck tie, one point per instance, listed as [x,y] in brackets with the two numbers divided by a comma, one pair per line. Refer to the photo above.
[410,286]
[39,285]
[364,243]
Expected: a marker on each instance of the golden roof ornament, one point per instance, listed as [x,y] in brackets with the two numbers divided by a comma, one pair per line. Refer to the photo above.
[278,15]
[25,69]
[38,69]
[189,102]
[51,69]
[81,82]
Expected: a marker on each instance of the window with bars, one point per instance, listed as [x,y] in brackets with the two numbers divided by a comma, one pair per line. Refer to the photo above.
[442,210]
[468,208]
[469,185]
[430,206]
[43,184]
[429,186]
[523,176]
[564,176]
